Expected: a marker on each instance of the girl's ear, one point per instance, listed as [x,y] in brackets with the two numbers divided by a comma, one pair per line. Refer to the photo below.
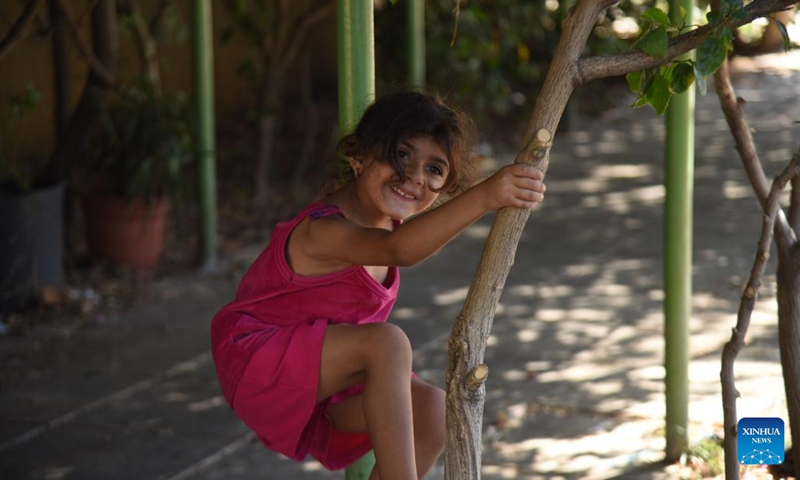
[356,164]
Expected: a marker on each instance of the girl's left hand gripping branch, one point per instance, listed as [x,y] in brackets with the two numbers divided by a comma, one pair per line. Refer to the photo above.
[516,185]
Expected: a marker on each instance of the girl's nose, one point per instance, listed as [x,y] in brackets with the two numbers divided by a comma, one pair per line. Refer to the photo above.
[415,175]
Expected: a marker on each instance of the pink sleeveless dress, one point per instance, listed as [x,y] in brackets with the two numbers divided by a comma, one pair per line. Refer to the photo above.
[267,345]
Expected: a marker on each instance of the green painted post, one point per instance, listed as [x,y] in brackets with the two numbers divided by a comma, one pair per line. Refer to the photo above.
[203,52]
[679,181]
[355,31]
[416,43]
[362,468]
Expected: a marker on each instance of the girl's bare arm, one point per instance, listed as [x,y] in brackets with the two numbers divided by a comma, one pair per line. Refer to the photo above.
[340,240]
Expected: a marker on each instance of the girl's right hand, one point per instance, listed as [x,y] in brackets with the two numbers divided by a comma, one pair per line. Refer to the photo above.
[515,185]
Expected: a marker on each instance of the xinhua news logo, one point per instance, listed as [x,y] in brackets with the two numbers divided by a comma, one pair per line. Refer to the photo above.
[760,441]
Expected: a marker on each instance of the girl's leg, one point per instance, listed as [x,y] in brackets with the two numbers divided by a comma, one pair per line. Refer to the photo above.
[428,406]
[379,356]
[429,424]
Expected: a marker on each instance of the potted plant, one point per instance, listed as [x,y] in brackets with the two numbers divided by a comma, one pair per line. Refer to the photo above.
[31,213]
[141,149]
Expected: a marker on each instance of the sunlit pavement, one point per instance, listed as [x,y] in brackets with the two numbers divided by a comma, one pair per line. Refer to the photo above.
[575,355]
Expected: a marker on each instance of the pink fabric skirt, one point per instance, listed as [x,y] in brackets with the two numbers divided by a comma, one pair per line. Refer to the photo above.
[275,394]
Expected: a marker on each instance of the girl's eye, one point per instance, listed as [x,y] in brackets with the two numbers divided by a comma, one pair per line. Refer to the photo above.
[402,154]
[436,170]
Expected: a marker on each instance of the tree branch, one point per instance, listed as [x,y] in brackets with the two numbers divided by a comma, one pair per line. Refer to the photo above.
[148,49]
[601,66]
[15,33]
[562,75]
[95,64]
[794,206]
[288,53]
[467,342]
[746,305]
[155,21]
[732,108]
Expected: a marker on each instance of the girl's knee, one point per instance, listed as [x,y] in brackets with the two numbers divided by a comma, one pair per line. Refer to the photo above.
[388,341]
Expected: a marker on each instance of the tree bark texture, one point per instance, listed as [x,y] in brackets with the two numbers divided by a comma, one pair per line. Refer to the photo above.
[789,337]
[788,272]
[466,372]
[280,52]
[746,305]
[83,121]
[15,33]
[144,33]
[61,81]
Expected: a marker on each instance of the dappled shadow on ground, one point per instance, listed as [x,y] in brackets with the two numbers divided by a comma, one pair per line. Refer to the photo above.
[576,349]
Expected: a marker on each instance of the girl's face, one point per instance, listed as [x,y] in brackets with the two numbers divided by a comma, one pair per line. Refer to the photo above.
[427,168]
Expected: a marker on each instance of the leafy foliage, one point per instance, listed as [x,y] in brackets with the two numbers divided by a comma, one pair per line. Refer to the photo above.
[656,85]
[143,145]
[491,57]
[17,173]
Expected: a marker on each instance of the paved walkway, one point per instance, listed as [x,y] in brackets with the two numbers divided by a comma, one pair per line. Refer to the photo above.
[576,382]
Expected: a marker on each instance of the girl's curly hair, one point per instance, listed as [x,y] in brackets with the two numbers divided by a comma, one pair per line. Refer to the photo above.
[397,116]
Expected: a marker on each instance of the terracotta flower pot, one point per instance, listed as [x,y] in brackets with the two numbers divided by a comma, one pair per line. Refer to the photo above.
[130,233]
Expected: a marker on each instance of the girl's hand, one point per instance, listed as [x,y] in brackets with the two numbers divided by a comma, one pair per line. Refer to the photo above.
[516,185]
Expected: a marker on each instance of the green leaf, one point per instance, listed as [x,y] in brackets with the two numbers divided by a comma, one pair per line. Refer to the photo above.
[682,77]
[714,17]
[787,44]
[641,101]
[654,42]
[740,14]
[728,6]
[649,75]
[634,80]
[657,17]
[710,56]
[727,38]
[658,94]
[701,81]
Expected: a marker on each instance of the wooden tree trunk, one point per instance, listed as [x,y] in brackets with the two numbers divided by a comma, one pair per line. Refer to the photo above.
[749,296]
[266,137]
[466,371]
[786,240]
[286,44]
[82,124]
[789,337]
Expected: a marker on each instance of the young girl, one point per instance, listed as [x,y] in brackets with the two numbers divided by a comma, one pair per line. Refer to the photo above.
[303,353]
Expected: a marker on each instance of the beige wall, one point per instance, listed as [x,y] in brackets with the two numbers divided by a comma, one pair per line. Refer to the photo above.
[31,61]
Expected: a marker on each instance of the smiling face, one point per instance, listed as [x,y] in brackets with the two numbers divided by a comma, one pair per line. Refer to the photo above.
[380,188]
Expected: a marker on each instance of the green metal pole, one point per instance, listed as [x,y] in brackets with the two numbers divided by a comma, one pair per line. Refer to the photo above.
[416,43]
[203,52]
[678,178]
[361,469]
[355,31]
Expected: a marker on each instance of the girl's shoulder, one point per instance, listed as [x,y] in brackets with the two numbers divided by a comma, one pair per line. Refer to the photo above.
[321,210]
[314,211]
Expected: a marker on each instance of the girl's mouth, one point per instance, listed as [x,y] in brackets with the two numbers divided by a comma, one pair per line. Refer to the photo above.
[403,194]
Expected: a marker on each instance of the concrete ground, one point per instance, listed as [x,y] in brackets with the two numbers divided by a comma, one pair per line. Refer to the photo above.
[576,350]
